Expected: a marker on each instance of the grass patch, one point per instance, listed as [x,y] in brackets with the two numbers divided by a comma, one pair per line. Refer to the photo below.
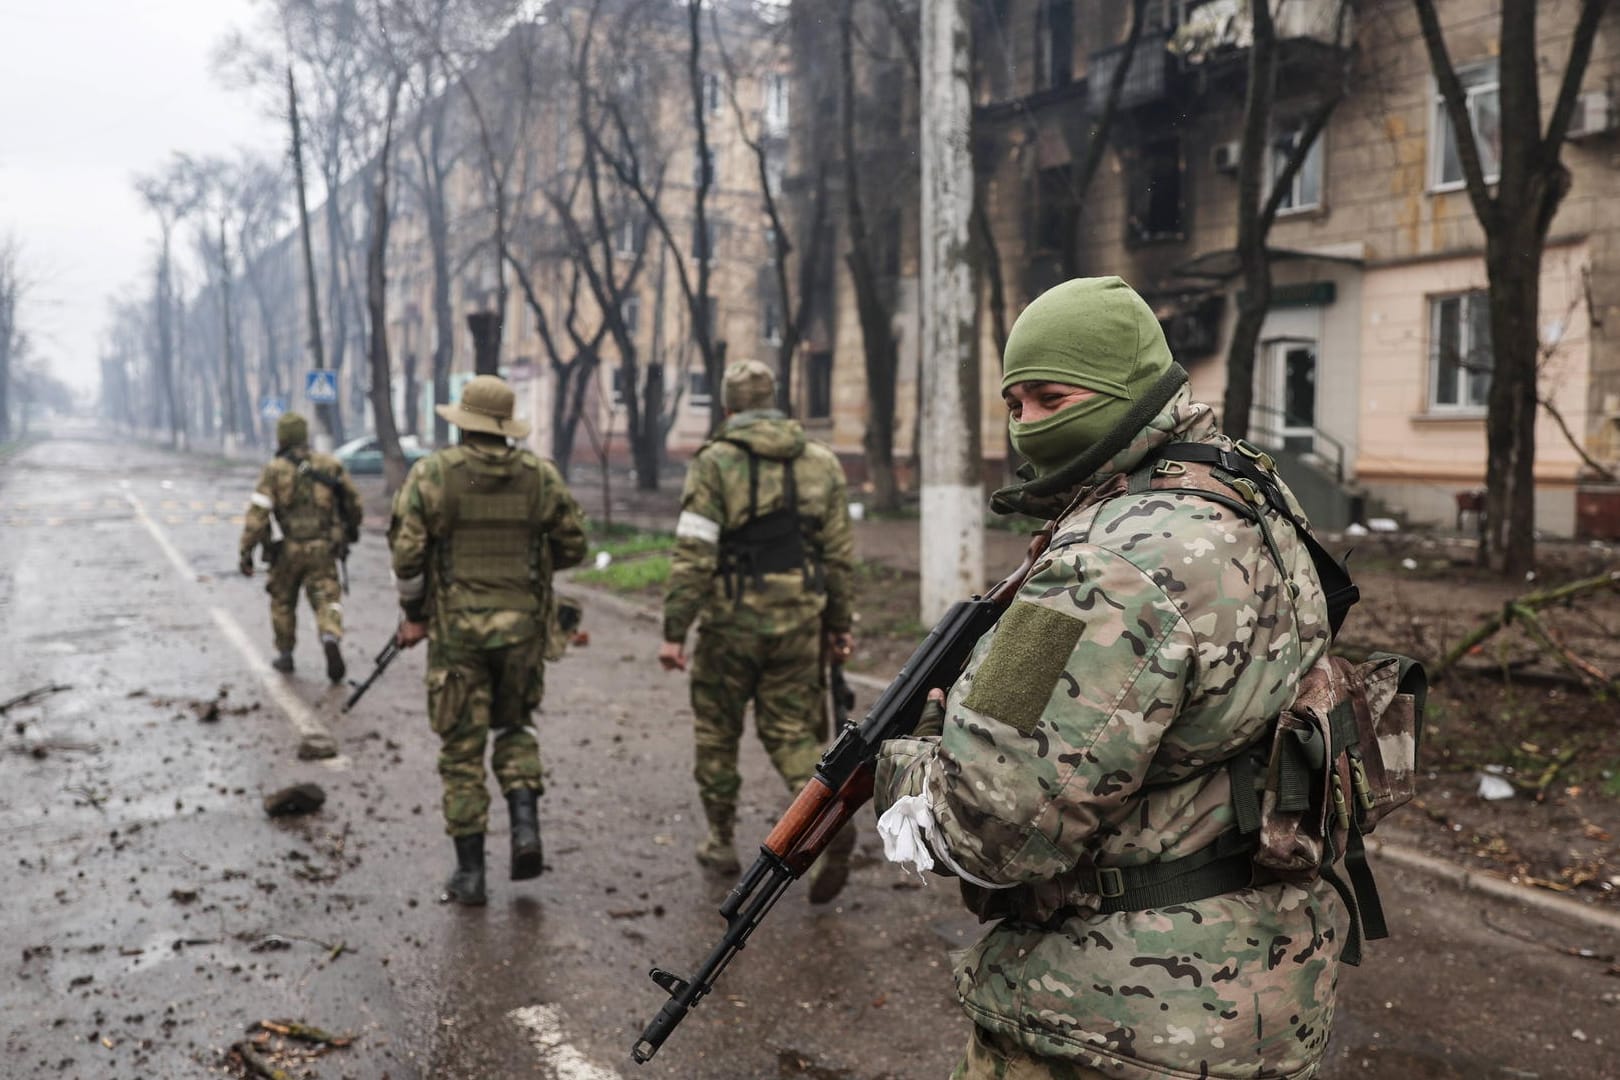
[637,543]
[632,575]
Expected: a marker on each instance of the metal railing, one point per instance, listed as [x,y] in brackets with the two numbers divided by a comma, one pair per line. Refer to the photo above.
[1275,437]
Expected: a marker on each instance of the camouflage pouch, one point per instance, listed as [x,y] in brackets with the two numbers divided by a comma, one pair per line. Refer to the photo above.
[563,617]
[1342,756]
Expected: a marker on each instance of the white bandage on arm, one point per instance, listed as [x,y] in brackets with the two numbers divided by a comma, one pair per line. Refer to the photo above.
[690,526]
[411,588]
[261,500]
[909,836]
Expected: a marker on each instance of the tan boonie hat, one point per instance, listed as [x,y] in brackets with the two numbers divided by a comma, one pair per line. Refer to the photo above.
[749,384]
[485,405]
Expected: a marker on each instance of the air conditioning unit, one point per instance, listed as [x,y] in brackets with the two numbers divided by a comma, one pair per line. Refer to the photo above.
[1594,115]
[1224,156]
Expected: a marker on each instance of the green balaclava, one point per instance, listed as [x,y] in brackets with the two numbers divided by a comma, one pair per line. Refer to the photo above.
[292,430]
[1100,334]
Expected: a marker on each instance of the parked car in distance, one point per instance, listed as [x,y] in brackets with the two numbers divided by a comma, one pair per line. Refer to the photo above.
[363,456]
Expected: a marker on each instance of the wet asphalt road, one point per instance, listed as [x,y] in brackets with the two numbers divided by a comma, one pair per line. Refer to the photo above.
[151,912]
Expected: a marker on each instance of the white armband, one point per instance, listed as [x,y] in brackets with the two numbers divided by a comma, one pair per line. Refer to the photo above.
[690,526]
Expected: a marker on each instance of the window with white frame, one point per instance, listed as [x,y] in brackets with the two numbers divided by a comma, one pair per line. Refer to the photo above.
[627,238]
[776,104]
[1305,190]
[1460,357]
[697,388]
[1482,100]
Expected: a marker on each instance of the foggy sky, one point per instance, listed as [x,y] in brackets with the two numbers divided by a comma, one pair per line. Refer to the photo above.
[91,92]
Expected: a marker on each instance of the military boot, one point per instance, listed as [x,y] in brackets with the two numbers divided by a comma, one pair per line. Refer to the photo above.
[717,852]
[283,662]
[831,871]
[527,859]
[466,885]
[335,669]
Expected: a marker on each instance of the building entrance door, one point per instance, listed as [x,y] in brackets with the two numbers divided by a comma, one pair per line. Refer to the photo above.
[1292,412]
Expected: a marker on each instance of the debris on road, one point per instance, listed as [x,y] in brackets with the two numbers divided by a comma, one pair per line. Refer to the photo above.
[1493,788]
[296,1029]
[32,696]
[317,746]
[299,799]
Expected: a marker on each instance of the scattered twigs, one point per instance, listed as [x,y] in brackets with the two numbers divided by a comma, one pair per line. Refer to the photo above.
[296,1029]
[1523,611]
[32,696]
[257,1064]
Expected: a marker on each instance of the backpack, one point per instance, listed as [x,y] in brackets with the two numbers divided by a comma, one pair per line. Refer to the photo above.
[771,543]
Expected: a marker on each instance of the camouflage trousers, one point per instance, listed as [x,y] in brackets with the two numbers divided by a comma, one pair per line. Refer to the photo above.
[781,675]
[309,566]
[473,694]
[989,1057]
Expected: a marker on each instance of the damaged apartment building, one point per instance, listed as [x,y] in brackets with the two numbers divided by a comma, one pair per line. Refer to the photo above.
[1374,358]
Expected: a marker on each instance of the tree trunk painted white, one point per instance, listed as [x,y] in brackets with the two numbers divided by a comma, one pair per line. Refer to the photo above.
[951,542]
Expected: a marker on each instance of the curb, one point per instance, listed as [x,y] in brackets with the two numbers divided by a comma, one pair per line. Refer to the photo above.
[1464,877]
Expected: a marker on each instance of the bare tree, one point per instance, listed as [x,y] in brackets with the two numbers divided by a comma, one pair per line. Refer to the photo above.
[1515,209]
[170,194]
[1258,206]
[14,287]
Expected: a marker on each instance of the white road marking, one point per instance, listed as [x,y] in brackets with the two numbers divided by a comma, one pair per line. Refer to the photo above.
[302,718]
[545,1027]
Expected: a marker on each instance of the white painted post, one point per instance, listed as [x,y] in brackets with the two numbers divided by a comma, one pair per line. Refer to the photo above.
[951,543]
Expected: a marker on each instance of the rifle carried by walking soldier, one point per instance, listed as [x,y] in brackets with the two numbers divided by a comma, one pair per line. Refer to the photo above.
[841,786]
[384,658]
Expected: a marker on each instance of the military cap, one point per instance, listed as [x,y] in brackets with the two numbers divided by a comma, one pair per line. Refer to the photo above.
[291,430]
[749,384]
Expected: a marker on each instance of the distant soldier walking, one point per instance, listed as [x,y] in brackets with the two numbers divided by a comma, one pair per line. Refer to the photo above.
[477,531]
[764,554]
[306,513]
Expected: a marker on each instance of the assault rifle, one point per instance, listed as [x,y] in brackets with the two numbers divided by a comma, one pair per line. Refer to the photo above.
[841,786]
[384,658]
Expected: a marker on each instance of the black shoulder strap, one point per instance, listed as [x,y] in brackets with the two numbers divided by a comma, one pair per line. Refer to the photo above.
[1338,588]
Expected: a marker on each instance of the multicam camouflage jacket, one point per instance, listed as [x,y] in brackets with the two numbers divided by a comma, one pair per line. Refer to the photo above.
[1158,634]
[305,510]
[716,501]
[422,535]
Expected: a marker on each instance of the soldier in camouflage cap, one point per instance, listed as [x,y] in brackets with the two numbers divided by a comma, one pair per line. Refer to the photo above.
[477,531]
[305,512]
[764,551]
[1080,757]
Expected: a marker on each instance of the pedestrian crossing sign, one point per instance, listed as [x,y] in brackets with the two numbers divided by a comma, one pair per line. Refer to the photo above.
[272,406]
[320,386]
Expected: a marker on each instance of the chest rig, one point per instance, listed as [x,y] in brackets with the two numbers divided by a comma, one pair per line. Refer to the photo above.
[1311,783]
[776,542]
[491,555]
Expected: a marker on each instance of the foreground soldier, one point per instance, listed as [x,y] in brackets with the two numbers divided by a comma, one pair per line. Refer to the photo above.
[1076,787]
[477,531]
[764,553]
[311,501]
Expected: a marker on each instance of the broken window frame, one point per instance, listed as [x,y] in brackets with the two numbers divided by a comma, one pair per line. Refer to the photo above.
[1310,170]
[818,383]
[1137,181]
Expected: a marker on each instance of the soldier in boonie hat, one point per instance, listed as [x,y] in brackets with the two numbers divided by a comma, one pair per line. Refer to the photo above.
[485,405]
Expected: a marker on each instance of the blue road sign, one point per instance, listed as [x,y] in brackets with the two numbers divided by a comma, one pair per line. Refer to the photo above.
[272,406]
[320,387]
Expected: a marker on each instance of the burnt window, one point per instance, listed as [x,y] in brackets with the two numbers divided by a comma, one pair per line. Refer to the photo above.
[818,386]
[1157,206]
[1054,44]
[1055,219]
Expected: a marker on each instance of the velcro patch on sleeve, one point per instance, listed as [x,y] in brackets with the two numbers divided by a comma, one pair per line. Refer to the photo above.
[690,526]
[1031,648]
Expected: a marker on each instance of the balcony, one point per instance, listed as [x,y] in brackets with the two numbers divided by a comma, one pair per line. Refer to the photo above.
[1155,74]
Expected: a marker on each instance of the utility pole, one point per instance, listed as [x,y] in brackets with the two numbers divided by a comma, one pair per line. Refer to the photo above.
[323,413]
[952,537]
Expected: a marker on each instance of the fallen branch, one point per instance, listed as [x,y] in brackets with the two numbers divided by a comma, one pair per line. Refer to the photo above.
[257,1064]
[294,1029]
[1522,610]
[32,696]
